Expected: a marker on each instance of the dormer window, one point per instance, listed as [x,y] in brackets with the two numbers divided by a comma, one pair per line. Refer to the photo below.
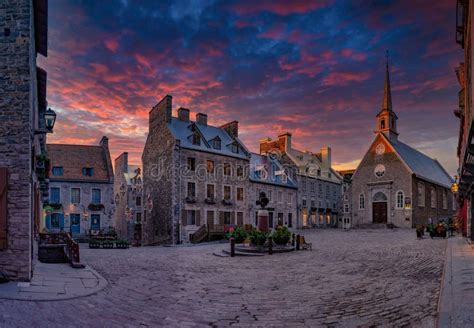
[196,139]
[235,149]
[216,143]
[87,171]
[58,171]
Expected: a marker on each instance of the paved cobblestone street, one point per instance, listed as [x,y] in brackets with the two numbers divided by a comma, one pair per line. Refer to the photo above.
[351,278]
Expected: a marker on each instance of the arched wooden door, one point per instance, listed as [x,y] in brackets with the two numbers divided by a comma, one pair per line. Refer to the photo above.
[379,208]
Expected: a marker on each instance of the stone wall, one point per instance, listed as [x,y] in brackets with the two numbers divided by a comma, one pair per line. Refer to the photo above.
[421,214]
[159,184]
[18,108]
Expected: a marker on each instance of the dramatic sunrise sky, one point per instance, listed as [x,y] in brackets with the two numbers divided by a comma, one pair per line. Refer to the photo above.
[314,68]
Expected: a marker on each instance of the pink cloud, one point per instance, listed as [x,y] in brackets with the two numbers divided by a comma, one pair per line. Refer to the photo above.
[280,7]
[350,53]
[344,78]
[112,44]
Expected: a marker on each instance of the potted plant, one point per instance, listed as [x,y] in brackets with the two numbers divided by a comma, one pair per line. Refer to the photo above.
[258,238]
[420,229]
[281,235]
[239,234]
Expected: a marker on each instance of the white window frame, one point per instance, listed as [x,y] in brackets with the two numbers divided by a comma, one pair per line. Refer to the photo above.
[80,195]
[361,202]
[422,197]
[100,191]
[346,208]
[187,189]
[214,196]
[243,194]
[59,188]
[433,200]
[398,207]
[223,192]
[346,197]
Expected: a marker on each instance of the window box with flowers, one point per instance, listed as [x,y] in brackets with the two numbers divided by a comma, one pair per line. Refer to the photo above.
[190,199]
[96,207]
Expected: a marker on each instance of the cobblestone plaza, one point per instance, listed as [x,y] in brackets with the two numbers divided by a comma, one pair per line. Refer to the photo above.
[351,278]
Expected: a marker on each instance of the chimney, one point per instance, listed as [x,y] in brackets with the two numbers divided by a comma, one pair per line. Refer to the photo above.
[285,141]
[104,142]
[160,113]
[232,128]
[201,118]
[183,114]
[326,157]
[121,163]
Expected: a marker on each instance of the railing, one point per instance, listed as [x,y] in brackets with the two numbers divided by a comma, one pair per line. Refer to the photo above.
[63,238]
[199,234]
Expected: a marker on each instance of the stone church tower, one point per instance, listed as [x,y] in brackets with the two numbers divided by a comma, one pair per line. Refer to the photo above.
[394,183]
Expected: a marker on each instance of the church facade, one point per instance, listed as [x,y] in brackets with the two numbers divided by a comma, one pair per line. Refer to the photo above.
[396,184]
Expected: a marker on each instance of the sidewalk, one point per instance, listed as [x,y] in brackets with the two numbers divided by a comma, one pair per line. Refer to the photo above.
[53,282]
[457,298]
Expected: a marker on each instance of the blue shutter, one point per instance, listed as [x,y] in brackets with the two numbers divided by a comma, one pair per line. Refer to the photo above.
[48,221]
[61,221]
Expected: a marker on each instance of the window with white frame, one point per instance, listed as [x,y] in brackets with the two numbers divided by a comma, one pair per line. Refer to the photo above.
[445,199]
[421,194]
[304,201]
[191,189]
[55,195]
[280,197]
[227,192]
[400,199]
[290,198]
[433,197]
[346,208]
[346,197]
[361,202]
[75,195]
[210,191]
[96,196]
[240,194]
[313,202]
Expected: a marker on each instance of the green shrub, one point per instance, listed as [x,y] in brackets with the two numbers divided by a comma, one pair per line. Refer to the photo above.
[281,235]
[258,238]
[239,234]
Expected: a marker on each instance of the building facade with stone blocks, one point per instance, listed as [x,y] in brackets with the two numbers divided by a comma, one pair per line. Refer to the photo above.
[81,189]
[345,211]
[128,190]
[319,185]
[268,175]
[395,183]
[23,157]
[194,174]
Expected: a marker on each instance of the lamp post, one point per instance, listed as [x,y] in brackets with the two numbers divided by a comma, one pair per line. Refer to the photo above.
[50,119]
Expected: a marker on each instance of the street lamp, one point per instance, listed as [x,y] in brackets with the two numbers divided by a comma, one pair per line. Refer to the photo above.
[455,185]
[50,119]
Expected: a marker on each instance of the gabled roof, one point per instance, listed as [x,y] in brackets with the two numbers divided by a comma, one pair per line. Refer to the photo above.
[272,168]
[181,130]
[305,159]
[420,164]
[73,158]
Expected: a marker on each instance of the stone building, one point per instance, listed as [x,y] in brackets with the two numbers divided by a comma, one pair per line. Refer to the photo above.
[128,188]
[193,175]
[23,183]
[267,174]
[396,184]
[465,148]
[345,210]
[319,186]
[81,189]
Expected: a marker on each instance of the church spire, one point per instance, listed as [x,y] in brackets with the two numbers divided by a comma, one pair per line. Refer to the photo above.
[387,93]
[386,118]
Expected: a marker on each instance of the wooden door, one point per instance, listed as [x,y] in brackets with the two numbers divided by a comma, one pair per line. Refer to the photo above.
[210,220]
[379,212]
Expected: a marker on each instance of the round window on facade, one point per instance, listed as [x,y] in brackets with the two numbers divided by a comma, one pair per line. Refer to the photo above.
[379,171]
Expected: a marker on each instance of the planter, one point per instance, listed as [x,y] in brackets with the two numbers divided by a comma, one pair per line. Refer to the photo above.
[94,244]
[107,244]
[122,244]
[96,207]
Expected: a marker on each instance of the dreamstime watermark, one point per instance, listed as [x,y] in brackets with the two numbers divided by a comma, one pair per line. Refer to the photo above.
[271,167]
